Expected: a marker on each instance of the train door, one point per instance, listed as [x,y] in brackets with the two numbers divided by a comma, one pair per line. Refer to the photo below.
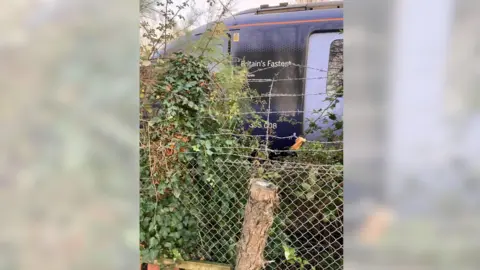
[324,77]
[274,55]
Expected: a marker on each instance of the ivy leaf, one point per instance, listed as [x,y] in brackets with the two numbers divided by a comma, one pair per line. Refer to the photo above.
[152,226]
[177,255]
[306,186]
[289,253]
[152,255]
[208,145]
[153,242]
[175,235]
[161,188]
[190,84]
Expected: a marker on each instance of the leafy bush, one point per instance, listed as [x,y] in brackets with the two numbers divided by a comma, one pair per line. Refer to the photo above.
[184,109]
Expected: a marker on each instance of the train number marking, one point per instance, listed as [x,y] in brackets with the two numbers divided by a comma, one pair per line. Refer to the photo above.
[265,125]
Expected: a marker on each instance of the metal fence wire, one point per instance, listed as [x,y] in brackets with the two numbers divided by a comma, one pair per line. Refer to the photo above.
[307,231]
[307,226]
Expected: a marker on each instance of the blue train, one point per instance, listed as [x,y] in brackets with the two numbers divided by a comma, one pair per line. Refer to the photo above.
[298,46]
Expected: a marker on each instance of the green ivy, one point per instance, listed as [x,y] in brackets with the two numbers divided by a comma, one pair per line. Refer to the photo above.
[186,104]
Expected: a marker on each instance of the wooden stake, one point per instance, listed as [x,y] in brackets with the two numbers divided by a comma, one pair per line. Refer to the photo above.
[258,219]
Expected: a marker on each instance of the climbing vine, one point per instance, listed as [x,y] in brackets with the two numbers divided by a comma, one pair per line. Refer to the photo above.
[185,109]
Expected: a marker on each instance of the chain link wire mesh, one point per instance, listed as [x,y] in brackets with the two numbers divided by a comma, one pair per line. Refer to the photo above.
[307,223]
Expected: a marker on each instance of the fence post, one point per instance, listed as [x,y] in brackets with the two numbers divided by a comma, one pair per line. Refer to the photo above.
[258,219]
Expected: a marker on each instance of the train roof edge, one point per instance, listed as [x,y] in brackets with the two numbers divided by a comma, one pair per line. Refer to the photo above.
[331,9]
[285,7]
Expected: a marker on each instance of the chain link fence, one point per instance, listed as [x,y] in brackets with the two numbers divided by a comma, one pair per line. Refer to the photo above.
[307,232]
[307,228]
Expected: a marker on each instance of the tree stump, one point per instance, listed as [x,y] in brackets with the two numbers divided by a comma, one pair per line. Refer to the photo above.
[258,219]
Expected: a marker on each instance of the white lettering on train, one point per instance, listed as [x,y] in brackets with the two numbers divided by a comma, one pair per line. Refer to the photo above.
[264,125]
[269,63]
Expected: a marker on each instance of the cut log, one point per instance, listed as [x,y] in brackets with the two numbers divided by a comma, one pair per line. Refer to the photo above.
[198,265]
[258,219]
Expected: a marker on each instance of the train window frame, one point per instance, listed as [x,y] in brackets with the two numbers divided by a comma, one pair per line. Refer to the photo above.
[317,59]
[339,74]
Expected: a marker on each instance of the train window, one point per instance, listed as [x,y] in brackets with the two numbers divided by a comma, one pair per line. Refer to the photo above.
[324,78]
[335,69]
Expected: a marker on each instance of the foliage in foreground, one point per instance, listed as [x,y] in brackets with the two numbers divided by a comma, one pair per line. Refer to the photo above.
[183,110]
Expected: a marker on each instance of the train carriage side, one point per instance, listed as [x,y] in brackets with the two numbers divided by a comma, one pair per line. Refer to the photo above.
[289,56]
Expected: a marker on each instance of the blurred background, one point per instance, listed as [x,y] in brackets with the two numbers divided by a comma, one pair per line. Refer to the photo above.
[411,116]
[69,140]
